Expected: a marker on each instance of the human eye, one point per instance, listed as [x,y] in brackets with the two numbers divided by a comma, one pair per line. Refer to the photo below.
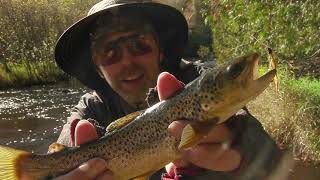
[142,45]
[108,57]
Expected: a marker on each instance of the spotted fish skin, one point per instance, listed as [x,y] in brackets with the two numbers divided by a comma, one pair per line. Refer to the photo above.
[135,147]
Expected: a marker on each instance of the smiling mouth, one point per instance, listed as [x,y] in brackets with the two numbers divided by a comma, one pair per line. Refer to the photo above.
[133,78]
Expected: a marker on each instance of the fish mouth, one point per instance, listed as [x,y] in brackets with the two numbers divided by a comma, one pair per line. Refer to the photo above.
[250,86]
[255,82]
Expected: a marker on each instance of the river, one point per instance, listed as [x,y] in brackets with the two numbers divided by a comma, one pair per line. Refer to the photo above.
[31,118]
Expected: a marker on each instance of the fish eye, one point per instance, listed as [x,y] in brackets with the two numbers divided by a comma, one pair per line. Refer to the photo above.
[234,70]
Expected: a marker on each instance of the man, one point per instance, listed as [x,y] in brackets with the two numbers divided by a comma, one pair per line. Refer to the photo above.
[119,50]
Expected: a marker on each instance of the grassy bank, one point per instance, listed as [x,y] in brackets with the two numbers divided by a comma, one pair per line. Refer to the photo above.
[292,116]
[29,73]
[28,33]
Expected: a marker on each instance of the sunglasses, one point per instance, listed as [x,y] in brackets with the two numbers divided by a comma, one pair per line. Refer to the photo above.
[136,44]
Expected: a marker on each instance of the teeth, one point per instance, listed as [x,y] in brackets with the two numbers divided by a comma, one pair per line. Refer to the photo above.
[131,78]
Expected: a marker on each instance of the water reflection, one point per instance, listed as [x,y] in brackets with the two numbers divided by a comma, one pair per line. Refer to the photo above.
[31,118]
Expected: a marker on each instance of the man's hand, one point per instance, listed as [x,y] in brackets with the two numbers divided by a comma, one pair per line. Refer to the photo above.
[94,169]
[214,152]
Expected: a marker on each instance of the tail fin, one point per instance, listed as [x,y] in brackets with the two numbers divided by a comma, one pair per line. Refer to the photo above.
[10,159]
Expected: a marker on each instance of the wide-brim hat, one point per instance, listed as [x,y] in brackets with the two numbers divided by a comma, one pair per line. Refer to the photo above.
[72,51]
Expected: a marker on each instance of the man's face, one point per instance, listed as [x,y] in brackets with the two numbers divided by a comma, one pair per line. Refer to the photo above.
[130,64]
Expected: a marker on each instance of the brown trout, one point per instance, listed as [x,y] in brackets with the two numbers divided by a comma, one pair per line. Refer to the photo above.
[139,144]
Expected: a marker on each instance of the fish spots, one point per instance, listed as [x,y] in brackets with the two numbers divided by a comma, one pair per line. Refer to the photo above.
[126,156]
[69,157]
[205,107]
[193,114]
[88,156]
[123,162]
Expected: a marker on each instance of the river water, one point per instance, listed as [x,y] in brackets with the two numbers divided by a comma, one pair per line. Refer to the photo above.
[31,118]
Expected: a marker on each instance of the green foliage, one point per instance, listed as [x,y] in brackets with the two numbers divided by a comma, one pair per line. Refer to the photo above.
[305,94]
[291,28]
[307,91]
[29,73]
[29,29]
[305,87]
[203,52]
[198,39]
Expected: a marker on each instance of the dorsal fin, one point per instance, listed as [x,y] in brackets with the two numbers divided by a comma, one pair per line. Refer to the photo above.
[119,123]
[56,147]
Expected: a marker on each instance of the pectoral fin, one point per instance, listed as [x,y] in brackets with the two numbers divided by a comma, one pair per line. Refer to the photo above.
[119,123]
[189,137]
[193,133]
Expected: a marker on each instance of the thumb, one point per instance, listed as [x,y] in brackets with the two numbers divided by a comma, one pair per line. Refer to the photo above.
[168,85]
[84,132]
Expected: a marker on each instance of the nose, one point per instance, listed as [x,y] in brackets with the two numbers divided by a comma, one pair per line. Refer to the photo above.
[127,58]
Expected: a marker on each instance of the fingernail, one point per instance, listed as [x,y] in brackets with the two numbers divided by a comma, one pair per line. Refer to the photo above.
[175,130]
[167,85]
[84,132]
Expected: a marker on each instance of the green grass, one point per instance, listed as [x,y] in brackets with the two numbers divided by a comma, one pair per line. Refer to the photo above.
[26,74]
[292,115]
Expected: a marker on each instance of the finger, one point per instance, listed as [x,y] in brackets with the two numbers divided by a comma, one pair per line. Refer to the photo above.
[219,134]
[176,128]
[170,169]
[87,171]
[167,85]
[214,157]
[84,132]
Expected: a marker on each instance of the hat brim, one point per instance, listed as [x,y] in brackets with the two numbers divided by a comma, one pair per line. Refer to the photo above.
[72,51]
